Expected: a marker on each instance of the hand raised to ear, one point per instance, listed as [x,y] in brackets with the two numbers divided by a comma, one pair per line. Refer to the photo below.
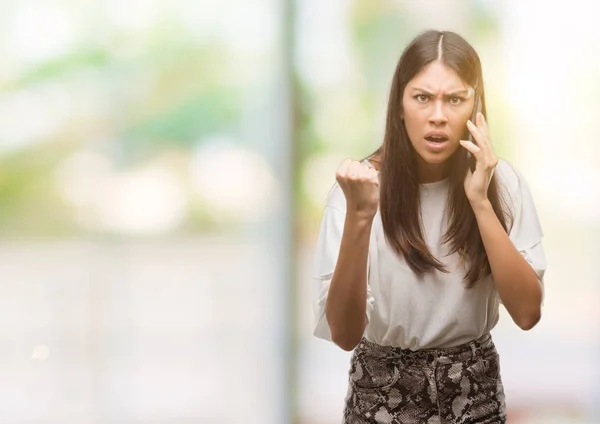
[478,181]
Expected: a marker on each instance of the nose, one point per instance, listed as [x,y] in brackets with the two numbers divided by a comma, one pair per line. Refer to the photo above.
[438,115]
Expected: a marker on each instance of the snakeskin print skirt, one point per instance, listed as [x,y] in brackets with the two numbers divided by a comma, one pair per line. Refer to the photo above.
[454,385]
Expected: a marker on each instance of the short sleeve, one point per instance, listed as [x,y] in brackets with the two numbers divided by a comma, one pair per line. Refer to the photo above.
[525,230]
[325,258]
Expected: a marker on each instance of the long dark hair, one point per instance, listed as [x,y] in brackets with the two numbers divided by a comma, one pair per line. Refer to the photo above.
[399,198]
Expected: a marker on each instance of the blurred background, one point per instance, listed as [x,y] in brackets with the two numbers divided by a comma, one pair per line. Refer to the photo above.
[164,167]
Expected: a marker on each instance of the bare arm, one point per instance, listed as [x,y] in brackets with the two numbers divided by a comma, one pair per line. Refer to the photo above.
[517,283]
[345,308]
[347,299]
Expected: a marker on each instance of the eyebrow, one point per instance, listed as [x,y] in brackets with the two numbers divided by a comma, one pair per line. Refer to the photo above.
[464,93]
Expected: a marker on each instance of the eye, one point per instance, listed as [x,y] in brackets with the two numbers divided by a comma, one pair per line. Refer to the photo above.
[422,98]
[456,100]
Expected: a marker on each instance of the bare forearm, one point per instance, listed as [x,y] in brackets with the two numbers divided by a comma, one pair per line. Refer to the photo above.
[347,298]
[517,283]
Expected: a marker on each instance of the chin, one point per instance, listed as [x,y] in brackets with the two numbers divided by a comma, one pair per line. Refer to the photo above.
[437,158]
[433,159]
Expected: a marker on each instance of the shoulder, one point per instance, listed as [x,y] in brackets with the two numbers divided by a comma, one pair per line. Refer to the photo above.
[525,230]
[514,189]
[510,178]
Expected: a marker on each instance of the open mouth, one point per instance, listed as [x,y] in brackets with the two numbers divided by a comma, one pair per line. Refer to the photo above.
[437,139]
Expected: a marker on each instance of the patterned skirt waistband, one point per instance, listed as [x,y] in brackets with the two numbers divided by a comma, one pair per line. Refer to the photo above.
[453,354]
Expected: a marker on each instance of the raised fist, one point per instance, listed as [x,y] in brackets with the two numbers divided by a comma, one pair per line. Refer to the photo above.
[360,184]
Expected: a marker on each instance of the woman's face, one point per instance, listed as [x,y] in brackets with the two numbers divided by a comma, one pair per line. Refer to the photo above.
[437,104]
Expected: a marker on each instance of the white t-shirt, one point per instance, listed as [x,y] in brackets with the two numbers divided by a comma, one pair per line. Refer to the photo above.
[436,311]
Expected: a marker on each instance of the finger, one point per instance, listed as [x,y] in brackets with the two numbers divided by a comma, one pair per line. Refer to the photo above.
[476,132]
[368,170]
[342,171]
[478,135]
[362,168]
[373,175]
[485,131]
[366,167]
[486,161]
[486,146]
[344,165]
[473,148]
[482,125]
[355,169]
[343,168]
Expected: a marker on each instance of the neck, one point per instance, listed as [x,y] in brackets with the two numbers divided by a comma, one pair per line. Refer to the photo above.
[432,172]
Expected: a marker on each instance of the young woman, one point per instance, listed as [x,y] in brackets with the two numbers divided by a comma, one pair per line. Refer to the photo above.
[420,243]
